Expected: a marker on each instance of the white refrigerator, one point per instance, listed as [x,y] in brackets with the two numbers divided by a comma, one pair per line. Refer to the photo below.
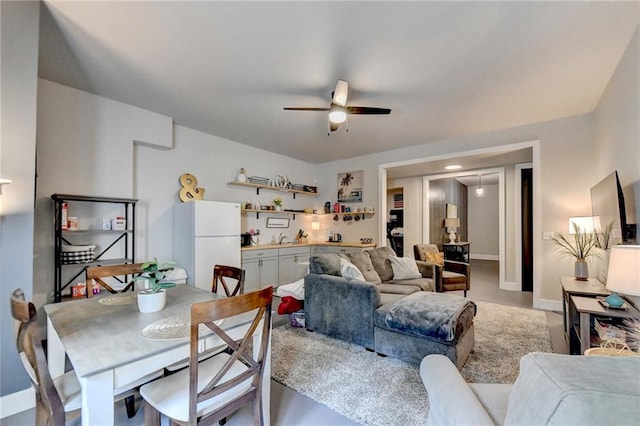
[206,233]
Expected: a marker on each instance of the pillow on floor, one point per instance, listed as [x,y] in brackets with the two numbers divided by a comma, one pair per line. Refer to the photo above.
[350,271]
[404,268]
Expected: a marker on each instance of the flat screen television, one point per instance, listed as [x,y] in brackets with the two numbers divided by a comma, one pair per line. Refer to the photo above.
[608,209]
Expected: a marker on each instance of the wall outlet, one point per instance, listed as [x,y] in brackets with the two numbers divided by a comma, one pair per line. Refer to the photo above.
[547,235]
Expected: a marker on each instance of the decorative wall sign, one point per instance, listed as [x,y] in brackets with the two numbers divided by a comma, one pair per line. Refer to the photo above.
[452,211]
[190,190]
[350,187]
[277,222]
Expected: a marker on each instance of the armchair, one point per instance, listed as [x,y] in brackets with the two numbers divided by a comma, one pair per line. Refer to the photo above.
[455,275]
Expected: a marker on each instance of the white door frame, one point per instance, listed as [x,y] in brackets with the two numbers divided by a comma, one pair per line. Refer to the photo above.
[537,209]
[501,211]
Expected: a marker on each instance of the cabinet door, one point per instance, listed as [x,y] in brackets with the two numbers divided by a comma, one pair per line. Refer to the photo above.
[290,268]
[268,272]
[251,274]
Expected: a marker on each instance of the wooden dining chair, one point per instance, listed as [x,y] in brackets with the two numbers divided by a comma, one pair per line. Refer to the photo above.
[57,399]
[211,390]
[220,272]
[120,273]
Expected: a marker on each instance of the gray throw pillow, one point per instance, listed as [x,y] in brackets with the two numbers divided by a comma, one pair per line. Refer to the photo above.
[325,264]
[381,263]
[363,263]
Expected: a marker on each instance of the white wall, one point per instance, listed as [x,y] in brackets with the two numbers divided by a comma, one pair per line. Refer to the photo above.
[617,131]
[18,83]
[483,222]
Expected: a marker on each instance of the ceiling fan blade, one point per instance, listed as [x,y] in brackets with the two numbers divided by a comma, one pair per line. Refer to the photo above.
[305,109]
[340,94]
[367,110]
[333,126]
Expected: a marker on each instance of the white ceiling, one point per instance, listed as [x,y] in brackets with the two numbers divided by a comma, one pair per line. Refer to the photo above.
[446,69]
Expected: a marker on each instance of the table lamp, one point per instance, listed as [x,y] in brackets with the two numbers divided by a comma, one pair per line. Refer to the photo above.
[451,223]
[315,226]
[623,275]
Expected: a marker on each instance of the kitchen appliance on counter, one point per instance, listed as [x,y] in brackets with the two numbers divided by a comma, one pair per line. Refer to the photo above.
[337,238]
[245,239]
[206,233]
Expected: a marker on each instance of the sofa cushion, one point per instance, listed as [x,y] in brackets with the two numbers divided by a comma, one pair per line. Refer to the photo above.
[577,390]
[325,264]
[454,277]
[404,268]
[424,249]
[351,271]
[363,262]
[381,263]
[424,284]
[398,288]
[431,315]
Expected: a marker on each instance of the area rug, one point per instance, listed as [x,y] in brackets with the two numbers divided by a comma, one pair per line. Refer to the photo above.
[374,390]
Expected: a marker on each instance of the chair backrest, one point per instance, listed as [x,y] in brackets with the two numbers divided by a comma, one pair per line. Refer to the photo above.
[207,313]
[420,250]
[220,272]
[29,344]
[120,273]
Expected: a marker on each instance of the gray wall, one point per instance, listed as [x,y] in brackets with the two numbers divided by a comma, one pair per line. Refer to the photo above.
[483,223]
[19,38]
[441,193]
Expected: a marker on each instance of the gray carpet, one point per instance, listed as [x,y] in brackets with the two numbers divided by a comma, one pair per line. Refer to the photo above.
[373,390]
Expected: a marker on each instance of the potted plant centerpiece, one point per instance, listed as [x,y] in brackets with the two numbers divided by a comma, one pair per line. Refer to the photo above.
[580,248]
[154,297]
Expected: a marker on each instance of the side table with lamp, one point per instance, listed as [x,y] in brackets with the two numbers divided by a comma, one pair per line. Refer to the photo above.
[623,277]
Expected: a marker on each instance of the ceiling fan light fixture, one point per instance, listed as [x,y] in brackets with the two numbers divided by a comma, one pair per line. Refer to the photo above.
[337,114]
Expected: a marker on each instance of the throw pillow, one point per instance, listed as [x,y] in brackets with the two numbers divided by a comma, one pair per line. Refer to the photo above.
[437,258]
[363,263]
[351,271]
[404,268]
[380,259]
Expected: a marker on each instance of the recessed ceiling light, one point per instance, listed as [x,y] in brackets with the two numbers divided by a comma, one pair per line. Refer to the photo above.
[453,167]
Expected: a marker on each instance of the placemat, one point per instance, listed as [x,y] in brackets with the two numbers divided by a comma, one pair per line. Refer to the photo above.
[119,299]
[176,327]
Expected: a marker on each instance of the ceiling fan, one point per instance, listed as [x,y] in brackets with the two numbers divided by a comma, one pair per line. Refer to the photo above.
[338,108]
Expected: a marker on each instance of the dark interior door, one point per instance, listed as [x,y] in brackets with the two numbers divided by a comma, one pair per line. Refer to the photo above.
[527,229]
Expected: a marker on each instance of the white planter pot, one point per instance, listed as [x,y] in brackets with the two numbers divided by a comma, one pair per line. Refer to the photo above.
[581,270]
[151,302]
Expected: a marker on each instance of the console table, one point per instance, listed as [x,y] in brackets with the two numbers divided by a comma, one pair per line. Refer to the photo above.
[456,251]
[588,307]
[572,287]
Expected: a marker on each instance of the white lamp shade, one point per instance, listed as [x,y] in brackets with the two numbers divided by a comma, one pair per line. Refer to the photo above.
[623,275]
[479,191]
[315,226]
[452,222]
[585,223]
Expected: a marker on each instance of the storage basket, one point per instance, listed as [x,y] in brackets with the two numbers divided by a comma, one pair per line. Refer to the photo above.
[77,254]
[296,319]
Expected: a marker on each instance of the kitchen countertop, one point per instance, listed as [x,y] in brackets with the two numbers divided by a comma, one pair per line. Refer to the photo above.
[319,243]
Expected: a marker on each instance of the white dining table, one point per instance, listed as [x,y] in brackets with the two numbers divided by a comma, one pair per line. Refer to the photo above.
[105,345]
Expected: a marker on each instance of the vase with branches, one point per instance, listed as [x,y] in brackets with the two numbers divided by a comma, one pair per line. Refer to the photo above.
[581,247]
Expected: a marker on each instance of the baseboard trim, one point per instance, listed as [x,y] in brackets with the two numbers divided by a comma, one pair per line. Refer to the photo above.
[548,305]
[484,256]
[510,285]
[17,402]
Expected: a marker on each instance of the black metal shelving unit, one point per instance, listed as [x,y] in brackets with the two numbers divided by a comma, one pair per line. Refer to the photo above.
[127,237]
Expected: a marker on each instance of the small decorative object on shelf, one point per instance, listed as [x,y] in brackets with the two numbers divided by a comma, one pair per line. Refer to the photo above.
[277,202]
[153,298]
[190,190]
[242,177]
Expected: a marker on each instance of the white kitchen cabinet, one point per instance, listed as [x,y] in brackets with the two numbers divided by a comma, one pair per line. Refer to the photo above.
[261,268]
[290,267]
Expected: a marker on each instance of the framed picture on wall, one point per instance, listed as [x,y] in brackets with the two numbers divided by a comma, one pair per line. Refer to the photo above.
[452,211]
[350,187]
[277,222]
